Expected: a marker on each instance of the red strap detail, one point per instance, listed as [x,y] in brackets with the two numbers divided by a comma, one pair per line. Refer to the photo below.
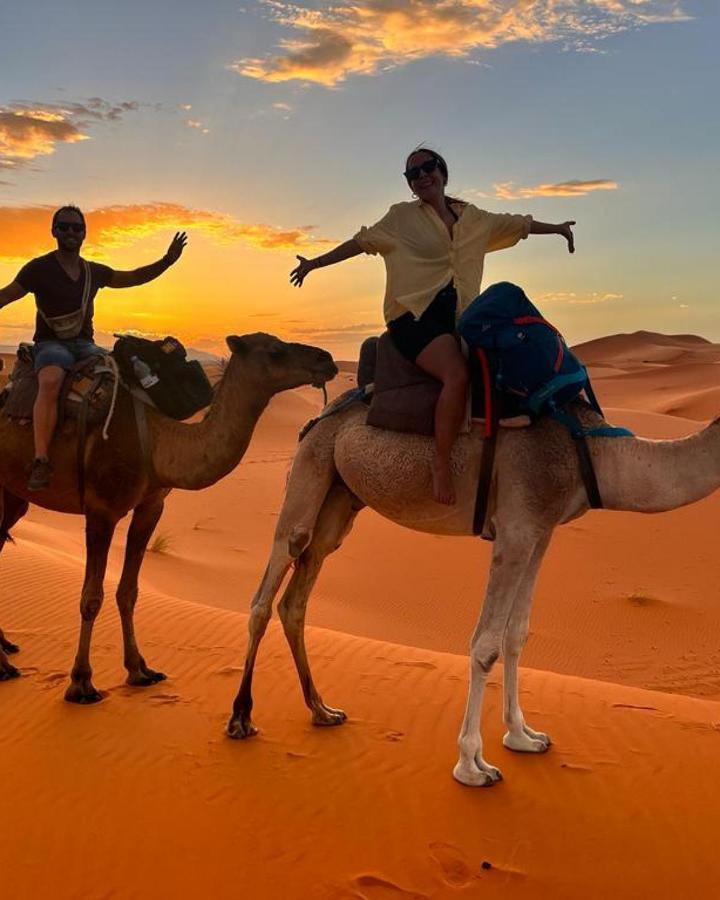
[534,320]
[487,390]
[561,354]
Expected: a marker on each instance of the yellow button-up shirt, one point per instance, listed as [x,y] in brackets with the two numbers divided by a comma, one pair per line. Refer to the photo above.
[421,257]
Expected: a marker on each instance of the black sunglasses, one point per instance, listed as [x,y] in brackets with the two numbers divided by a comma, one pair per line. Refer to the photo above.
[70,226]
[414,171]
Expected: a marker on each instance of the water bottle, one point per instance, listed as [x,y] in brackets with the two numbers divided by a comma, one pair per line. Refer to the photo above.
[143,373]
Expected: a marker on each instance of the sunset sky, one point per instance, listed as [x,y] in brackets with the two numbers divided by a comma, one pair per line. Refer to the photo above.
[267,129]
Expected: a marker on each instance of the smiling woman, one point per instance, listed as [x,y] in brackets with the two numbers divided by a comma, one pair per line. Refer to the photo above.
[434,248]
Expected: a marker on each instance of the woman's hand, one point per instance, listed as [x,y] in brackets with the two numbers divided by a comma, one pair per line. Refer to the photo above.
[298,274]
[565,231]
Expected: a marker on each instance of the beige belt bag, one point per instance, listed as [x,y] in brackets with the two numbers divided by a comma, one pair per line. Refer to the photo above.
[69,326]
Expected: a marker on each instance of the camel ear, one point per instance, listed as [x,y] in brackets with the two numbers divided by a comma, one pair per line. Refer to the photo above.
[236,344]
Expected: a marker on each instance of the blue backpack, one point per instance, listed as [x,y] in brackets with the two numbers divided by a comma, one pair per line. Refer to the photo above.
[529,357]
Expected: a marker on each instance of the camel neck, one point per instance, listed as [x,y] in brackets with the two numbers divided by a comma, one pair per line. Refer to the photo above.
[194,456]
[655,476]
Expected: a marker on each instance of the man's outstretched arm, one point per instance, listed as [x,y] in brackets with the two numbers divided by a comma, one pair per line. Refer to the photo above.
[148,273]
[14,291]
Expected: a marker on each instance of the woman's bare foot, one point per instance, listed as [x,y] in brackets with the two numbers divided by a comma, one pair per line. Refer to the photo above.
[443,489]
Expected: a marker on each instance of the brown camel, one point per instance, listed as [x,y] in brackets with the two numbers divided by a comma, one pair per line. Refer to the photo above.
[343,465]
[117,480]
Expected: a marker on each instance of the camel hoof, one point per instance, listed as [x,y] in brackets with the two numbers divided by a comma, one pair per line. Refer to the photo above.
[8,647]
[327,716]
[8,672]
[145,678]
[83,695]
[239,729]
[525,743]
[473,776]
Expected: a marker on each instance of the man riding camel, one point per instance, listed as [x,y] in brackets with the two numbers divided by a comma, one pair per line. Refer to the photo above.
[65,285]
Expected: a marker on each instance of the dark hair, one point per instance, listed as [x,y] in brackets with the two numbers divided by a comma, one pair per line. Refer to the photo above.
[69,208]
[442,165]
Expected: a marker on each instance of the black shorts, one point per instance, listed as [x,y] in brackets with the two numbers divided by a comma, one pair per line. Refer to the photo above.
[411,336]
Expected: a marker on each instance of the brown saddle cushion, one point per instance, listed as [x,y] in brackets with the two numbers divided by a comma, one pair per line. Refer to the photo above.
[404,397]
[91,377]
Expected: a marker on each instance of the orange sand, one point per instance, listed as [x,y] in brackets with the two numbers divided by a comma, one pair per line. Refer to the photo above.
[144,797]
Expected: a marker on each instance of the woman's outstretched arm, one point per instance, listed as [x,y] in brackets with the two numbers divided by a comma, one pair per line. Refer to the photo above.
[343,251]
[564,229]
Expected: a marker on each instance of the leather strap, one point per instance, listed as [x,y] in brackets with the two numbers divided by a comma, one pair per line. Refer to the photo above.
[143,433]
[81,441]
[587,470]
[487,462]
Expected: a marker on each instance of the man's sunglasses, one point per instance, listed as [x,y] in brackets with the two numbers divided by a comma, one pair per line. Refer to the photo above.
[415,171]
[70,226]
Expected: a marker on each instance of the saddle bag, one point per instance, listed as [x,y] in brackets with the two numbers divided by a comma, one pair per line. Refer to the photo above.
[177,386]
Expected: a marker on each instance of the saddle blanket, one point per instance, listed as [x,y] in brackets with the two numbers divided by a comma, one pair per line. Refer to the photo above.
[91,377]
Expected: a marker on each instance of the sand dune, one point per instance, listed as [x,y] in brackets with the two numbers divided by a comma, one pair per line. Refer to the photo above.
[647,348]
[155,802]
[143,796]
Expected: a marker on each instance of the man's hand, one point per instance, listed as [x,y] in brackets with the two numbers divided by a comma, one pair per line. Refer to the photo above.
[565,231]
[298,274]
[177,245]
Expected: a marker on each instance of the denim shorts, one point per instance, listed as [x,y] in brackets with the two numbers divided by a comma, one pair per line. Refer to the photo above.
[64,353]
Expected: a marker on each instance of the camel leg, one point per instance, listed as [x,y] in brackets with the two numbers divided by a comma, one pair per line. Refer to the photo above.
[303,501]
[511,555]
[520,736]
[99,531]
[144,520]
[332,527]
[12,509]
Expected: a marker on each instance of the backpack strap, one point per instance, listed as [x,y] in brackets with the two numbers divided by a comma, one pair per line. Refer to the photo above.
[542,395]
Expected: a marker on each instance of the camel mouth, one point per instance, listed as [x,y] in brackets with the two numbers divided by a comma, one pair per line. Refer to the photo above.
[324,374]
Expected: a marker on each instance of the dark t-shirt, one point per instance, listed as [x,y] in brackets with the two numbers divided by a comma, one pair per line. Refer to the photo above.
[56,294]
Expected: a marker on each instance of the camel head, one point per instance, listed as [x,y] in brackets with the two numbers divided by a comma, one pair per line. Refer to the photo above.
[279,365]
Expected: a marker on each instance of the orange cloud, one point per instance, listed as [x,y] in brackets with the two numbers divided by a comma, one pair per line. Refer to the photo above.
[365,36]
[25,134]
[506,190]
[31,130]
[26,230]
[572,298]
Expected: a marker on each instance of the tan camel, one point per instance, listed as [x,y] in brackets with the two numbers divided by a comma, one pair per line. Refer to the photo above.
[190,456]
[343,465]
